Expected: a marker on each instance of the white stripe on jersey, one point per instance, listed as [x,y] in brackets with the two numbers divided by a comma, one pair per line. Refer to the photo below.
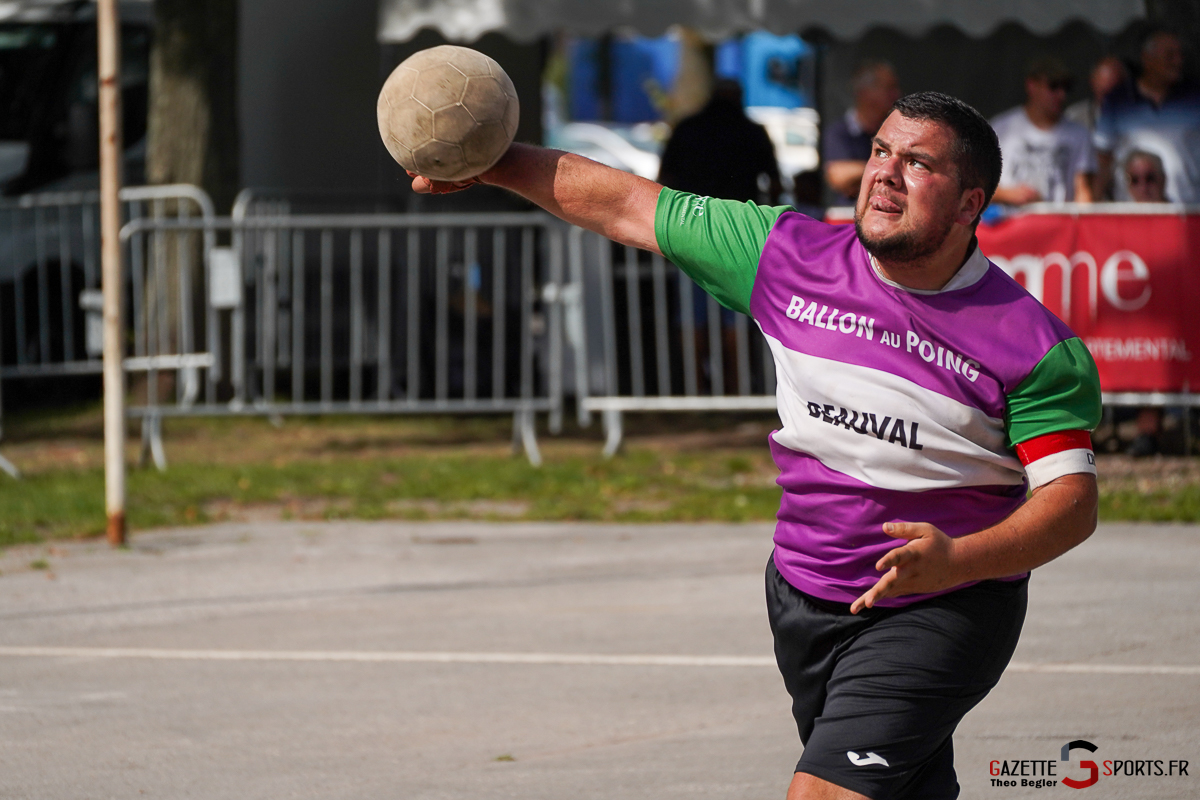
[959,445]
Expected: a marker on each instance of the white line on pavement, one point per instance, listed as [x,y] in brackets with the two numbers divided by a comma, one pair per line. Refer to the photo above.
[583,659]
[1105,669]
[570,659]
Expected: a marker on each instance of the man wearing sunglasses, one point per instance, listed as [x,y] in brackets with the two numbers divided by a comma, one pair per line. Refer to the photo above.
[1046,157]
[1160,113]
[1145,177]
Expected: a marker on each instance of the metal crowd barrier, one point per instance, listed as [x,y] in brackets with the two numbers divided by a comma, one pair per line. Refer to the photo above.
[665,344]
[379,313]
[50,301]
[299,314]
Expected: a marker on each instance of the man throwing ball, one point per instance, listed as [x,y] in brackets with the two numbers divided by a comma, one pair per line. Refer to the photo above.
[922,394]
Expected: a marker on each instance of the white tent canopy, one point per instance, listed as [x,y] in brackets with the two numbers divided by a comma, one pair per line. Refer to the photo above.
[523,20]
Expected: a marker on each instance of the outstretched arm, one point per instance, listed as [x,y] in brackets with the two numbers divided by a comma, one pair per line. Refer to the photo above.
[1057,517]
[581,191]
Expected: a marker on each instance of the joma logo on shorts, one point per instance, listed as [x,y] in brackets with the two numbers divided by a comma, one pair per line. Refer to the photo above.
[867,760]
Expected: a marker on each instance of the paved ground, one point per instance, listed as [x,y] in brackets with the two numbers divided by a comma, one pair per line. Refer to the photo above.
[372,660]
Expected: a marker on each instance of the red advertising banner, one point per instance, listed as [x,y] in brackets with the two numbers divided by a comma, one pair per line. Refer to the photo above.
[1127,284]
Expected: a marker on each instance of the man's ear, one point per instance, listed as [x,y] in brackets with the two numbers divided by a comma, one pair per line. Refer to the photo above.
[969,206]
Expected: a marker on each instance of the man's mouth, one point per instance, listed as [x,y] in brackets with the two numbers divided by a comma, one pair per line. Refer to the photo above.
[881,203]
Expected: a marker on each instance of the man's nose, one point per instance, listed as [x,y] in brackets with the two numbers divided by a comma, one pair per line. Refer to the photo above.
[889,172]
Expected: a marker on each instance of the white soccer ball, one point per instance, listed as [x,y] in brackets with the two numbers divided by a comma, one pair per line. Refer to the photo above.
[448,113]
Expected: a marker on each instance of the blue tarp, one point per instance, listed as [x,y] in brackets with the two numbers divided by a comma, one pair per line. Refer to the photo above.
[767,66]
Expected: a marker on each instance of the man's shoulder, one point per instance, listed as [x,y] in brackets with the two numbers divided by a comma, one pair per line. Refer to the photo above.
[794,224]
[840,131]
[796,240]
[1017,306]
[1079,112]
[1186,98]
[1009,121]
[1072,131]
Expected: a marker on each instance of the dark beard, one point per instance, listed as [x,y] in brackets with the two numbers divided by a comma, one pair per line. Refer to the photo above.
[907,246]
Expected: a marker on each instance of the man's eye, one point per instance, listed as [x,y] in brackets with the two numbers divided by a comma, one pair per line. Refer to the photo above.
[880,153]
[919,165]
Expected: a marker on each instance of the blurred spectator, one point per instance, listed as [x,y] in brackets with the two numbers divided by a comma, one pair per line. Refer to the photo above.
[719,152]
[806,193]
[1046,157]
[1108,74]
[1157,114]
[1146,181]
[1145,178]
[847,142]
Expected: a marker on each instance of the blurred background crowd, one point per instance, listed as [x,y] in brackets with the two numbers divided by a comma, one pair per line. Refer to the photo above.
[265,93]
[277,98]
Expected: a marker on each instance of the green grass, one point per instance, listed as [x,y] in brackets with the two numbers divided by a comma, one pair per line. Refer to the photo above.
[1163,505]
[639,487]
[674,470]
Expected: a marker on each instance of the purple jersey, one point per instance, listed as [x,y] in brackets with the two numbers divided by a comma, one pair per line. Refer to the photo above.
[895,404]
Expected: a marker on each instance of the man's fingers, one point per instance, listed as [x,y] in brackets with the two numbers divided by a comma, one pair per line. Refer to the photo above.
[904,530]
[880,589]
[423,185]
[896,557]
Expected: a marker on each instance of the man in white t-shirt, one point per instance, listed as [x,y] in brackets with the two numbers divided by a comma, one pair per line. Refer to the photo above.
[1046,158]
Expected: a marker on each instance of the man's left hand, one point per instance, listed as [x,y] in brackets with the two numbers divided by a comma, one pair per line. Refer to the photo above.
[423,185]
[925,564]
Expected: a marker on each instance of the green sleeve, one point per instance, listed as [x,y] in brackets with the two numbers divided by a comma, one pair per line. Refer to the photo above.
[716,242]
[1062,393]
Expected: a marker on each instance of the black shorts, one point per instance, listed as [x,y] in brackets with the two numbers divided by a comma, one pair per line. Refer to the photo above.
[877,696]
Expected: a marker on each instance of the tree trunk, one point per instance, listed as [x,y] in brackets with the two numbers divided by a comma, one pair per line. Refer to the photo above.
[192,137]
[193,126]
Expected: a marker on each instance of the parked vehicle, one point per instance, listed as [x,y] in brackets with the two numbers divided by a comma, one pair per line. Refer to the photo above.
[49,166]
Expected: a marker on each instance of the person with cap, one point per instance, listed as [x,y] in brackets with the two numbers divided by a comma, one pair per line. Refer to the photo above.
[1046,157]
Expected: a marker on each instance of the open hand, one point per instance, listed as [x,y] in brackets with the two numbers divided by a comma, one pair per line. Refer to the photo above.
[423,185]
[925,564]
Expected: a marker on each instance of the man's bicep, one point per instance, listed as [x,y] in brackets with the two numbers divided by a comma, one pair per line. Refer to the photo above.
[1080,488]
[635,224]
[1073,505]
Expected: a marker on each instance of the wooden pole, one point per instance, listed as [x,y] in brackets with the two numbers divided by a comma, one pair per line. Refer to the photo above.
[108,31]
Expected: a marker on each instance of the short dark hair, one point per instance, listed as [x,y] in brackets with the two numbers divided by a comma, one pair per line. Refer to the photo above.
[976,149]
[865,72]
[1049,68]
[1153,32]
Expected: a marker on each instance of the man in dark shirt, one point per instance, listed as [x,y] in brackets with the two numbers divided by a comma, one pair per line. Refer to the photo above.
[1158,113]
[719,152]
[846,143]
